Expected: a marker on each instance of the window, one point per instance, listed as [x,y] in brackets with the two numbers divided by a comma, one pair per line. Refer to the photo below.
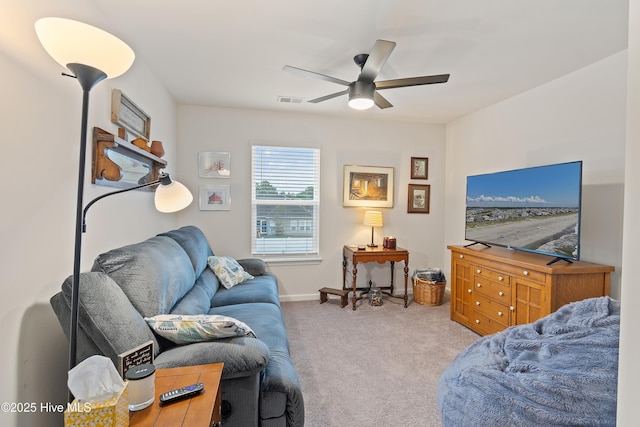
[285,201]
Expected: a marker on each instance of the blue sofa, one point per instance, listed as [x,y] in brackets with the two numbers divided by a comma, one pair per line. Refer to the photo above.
[168,274]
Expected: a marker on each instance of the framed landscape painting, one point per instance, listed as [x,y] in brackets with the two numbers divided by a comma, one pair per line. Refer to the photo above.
[368,186]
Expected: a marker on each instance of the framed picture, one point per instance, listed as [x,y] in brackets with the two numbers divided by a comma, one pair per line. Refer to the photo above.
[214,164]
[215,198]
[418,198]
[127,114]
[368,186]
[419,168]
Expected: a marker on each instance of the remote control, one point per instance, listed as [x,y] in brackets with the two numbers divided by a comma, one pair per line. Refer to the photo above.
[181,393]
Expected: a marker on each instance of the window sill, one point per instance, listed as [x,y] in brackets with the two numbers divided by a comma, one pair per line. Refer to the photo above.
[291,260]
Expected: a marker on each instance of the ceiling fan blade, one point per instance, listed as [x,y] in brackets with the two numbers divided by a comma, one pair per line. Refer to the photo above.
[326,97]
[376,60]
[412,81]
[381,101]
[307,73]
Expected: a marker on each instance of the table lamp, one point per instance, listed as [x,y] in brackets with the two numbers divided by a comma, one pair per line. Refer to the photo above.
[373,219]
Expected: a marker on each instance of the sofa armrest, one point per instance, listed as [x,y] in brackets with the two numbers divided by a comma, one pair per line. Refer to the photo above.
[253,266]
[242,356]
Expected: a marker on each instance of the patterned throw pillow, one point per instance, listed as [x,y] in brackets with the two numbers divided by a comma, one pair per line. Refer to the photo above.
[228,271]
[187,329]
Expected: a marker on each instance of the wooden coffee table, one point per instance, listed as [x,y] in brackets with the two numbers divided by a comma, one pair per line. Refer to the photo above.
[203,409]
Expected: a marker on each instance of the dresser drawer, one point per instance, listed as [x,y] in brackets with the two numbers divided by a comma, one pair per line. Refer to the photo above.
[517,271]
[498,291]
[492,309]
[490,274]
[485,324]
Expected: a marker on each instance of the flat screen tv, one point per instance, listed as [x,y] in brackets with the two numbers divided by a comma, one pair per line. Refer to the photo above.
[534,209]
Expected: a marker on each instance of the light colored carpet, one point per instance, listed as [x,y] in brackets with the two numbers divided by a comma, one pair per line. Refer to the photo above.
[373,366]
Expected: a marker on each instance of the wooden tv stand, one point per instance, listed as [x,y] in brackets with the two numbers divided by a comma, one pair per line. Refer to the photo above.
[494,288]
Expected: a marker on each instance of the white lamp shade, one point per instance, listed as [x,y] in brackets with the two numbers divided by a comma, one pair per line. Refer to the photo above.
[73,42]
[373,218]
[172,197]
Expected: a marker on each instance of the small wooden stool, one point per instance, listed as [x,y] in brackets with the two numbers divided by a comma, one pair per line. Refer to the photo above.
[344,293]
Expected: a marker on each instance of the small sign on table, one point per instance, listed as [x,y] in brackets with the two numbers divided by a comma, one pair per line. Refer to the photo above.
[137,356]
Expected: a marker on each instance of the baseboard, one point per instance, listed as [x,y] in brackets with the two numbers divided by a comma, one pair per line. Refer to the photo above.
[300,297]
[311,297]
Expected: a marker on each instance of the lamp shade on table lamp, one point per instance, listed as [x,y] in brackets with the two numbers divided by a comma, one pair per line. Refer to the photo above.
[373,219]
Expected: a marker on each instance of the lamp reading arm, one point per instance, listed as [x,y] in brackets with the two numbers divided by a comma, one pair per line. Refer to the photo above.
[163,179]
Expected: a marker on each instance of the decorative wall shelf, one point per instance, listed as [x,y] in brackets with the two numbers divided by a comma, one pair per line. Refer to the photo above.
[118,163]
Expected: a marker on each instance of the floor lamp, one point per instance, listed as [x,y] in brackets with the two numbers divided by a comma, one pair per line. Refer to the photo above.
[93,55]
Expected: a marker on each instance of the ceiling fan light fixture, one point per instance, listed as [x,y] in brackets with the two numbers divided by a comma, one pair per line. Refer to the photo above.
[361,95]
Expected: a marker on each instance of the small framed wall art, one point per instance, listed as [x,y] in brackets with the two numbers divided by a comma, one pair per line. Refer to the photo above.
[369,186]
[419,168]
[215,198]
[418,198]
[212,164]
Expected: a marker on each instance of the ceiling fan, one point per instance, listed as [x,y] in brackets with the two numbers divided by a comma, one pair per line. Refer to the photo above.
[363,93]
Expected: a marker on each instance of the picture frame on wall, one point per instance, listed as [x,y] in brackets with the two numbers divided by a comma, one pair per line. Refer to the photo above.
[419,168]
[419,196]
[214,164]
[368,186]
[215,197]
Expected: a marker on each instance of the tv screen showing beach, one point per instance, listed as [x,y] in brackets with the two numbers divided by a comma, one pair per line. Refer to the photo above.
[535,209]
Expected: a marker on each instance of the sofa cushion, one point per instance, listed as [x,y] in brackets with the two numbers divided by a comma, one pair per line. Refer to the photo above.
[197,300]
[228,271]
[187,329]
[154,274]
[259,289]
[194,243]
[113,329]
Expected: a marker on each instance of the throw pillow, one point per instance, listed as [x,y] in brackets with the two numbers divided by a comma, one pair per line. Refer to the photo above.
[228,271]
[187,329]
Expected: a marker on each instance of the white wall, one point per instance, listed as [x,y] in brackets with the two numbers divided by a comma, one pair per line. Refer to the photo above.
[342,142]
[40,122]
[581,116]
[628,372]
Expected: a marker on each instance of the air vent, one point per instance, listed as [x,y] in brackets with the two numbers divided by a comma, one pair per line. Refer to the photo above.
[290,100]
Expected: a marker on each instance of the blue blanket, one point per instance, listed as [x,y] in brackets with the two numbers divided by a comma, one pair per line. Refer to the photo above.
[560,370]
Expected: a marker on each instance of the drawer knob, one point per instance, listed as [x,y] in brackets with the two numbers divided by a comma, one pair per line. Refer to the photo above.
[512,308]
[478,271]
[477,321]
[526,273]
[461,256]
[469,290]
[501,293]
[499,313]
[477,302]
[479,285]
[500,278]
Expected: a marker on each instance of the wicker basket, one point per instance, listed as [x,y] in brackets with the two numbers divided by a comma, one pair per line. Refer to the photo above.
[426,292]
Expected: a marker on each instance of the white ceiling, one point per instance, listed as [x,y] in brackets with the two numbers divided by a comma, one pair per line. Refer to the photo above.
[230,53]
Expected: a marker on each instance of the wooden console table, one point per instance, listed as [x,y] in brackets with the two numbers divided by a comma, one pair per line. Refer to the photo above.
[377,254]
[202,410]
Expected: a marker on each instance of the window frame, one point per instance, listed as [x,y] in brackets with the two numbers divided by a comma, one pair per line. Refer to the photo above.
[312,253]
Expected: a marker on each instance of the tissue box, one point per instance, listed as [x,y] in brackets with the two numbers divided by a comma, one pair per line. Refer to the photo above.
[112,412]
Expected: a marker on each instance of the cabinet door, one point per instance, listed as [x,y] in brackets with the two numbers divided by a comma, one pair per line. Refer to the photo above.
[529,301]
[461,290]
